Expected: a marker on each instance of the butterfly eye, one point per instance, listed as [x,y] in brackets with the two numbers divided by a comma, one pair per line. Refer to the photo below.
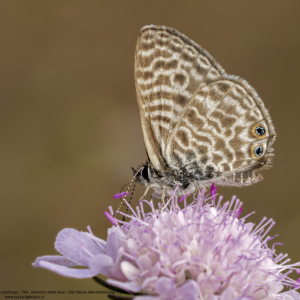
[259,131]
[145,173]
[258,151]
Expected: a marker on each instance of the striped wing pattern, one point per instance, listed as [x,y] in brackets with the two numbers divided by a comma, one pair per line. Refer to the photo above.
[195,117]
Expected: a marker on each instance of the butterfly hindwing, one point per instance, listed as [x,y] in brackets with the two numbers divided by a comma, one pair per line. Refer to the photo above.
[215,135]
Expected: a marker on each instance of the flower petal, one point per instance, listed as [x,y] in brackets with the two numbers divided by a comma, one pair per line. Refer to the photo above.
[129,270]
[144,263]
[131,286]
[96,239]
[104,264]
[55,259]
[113,245]
[189,290]
[77,246]
[164,285]
[68,272]
[228,294]
[292,294]
[148,298]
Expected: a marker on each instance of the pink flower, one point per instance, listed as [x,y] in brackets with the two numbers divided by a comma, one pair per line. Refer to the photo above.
[200,251]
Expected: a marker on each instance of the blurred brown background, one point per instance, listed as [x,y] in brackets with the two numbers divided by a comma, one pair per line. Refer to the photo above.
[69,120]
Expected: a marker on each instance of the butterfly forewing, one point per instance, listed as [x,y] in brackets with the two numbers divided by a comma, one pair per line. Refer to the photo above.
[168,71]
[196,119]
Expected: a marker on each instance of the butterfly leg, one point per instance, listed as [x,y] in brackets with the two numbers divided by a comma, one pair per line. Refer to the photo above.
[197,189]
[146,191]
[164,198]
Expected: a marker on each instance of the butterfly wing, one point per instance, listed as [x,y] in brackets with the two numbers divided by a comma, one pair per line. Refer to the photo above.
[195,118]
[224,132]
[169,68]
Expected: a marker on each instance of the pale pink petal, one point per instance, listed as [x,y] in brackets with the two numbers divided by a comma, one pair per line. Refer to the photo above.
[148,298]
[228,294]
[105,265]
[292,294]
[164,285]
[113,245]
[68,272]
[129,270]
[131,286]
[55,259]
[189,290]
[98,241]
[144,263]
[149,281]
[76,246]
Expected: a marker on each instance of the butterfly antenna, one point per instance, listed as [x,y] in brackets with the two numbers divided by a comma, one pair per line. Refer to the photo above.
[134,185]
[133,180]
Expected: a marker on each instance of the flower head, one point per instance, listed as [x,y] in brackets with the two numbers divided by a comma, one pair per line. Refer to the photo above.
[201,251]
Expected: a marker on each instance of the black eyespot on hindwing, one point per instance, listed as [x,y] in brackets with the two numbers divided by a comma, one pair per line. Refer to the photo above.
[258,151]
[260,131]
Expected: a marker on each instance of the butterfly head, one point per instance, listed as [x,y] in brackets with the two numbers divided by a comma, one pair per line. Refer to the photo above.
[146,175]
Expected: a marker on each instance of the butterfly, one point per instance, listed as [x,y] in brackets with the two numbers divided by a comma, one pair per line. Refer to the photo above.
[200,125]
